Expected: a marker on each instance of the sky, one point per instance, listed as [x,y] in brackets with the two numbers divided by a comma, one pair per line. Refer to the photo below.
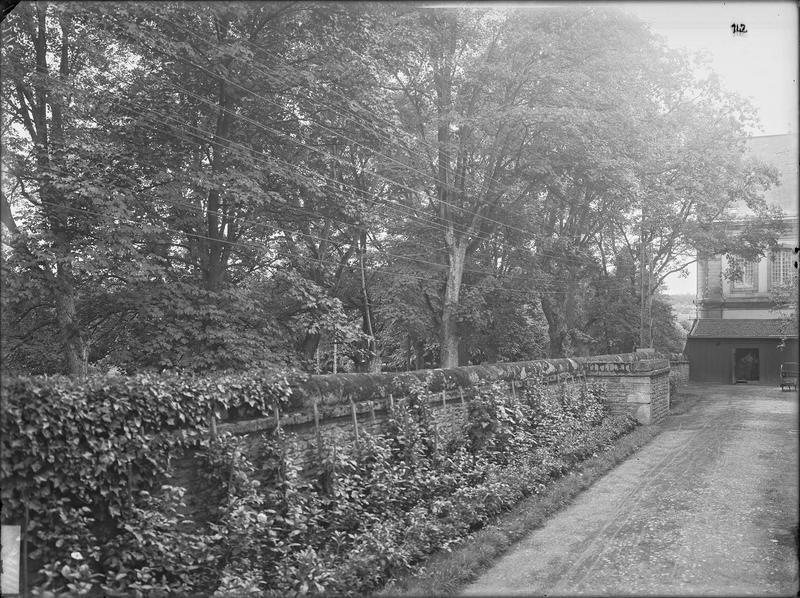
[760,64]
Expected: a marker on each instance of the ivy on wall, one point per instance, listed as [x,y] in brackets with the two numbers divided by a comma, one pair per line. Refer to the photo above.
[85,463]
[76,453]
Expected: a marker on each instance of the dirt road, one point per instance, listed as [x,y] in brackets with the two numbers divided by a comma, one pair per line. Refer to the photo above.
[710,507]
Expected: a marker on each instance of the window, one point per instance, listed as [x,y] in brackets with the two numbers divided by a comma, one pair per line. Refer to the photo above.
[747,282]
[781,266]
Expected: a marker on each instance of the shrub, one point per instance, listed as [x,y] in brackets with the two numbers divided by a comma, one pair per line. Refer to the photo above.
[77,454]
[363,515]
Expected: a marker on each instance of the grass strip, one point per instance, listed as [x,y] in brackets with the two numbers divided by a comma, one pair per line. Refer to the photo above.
[446,572]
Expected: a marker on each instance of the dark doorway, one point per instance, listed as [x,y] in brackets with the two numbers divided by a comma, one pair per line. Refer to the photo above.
[745,365]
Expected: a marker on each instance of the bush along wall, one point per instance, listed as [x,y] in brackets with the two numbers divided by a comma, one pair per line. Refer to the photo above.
[80,459]
[89,466]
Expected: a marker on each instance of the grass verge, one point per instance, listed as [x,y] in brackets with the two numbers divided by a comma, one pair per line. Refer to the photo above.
[445,573]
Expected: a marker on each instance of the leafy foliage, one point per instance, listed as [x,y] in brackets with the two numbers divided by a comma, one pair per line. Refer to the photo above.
[225,186]
[91,463]
[76,455]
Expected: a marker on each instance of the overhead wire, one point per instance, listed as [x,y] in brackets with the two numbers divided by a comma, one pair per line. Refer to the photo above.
[208,134]
[157,128]
[82,211]
[388,180]
[249,150]
[352,113]
[391,181]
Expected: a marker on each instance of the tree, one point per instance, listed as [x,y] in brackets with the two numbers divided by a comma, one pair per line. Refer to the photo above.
[224,186]
[74,202]
[692,176]
[469,87]
[179,231]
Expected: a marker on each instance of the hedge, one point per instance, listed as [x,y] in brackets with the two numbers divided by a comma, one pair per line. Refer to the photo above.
[88,465]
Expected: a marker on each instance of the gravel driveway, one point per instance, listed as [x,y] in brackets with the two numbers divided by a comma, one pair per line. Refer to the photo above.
[709,507]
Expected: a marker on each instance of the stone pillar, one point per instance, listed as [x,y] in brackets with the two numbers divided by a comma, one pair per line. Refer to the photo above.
[639,387]
[679,369]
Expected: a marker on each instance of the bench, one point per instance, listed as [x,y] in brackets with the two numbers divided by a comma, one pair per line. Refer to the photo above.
[789,376]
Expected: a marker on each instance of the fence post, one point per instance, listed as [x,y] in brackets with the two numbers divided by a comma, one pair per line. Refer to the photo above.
[317,433]
[277,414]
[391,402]
[513,391]
[355,417]
[333,467]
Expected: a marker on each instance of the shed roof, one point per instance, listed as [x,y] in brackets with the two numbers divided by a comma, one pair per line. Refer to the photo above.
[743,328]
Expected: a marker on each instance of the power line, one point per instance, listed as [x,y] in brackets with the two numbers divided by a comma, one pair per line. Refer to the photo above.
[271,160]
[260,96]
[547,285]
[297,232]
[273,251]
[348,101]
[310,236]
[338,159]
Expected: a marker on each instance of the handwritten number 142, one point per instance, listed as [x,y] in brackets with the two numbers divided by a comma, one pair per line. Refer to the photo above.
[738,28]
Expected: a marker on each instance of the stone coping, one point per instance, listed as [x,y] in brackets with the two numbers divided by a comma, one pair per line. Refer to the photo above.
[371,387]
[336,395]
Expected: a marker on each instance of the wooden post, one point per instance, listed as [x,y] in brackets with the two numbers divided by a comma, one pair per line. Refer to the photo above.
[372,412]
[461,394]
[333,466]
[444,398]
[317,433]
[277,417]
[513,391]
[391,402]
[234,459]
[355,417]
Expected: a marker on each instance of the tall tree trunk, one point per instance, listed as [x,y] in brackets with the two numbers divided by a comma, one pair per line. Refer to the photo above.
[310,345]
[556,325]
[73,343]
[450,337]
[373,358]
[48,134]
[419,355]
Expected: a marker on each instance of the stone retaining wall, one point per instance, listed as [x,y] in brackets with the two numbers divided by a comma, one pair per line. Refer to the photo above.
[640,388]
[337,409]
[678,369]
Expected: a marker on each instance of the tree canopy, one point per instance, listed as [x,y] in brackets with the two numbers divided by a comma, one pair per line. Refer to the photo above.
[220,186]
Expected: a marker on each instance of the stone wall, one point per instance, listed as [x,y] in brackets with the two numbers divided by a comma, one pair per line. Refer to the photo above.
[639,387]
[336,408]
[678,369]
